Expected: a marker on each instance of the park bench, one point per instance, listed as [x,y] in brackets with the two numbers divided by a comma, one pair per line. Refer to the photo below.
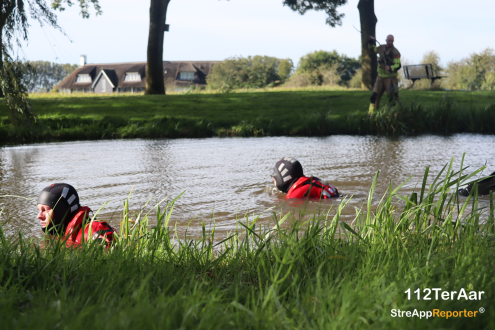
[420,71]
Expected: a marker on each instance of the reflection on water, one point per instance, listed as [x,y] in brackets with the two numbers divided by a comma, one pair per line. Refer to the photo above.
[222,176]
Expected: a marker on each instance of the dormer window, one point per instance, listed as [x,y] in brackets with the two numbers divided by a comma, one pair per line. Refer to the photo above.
[83,78]
[132,76]
[185,75]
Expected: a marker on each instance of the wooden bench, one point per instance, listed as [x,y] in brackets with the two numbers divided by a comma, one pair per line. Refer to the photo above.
[420,71]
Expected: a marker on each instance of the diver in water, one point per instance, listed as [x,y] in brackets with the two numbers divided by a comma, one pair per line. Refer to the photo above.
[484,187]
[60,214]
[289,178]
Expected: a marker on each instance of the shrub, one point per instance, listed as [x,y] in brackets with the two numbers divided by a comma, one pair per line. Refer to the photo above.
[473,73]
[245,72]
[489,83]
[285,68]
[324,61]
[322,76]
[298,80]
[331,76]
[356,80]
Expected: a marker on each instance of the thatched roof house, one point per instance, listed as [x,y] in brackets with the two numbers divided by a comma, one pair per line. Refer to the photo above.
[131,77]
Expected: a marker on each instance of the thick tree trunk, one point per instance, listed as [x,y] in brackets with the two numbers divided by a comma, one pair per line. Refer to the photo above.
[368,26]
[154,67]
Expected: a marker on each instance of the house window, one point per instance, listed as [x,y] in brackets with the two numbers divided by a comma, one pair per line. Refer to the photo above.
[132,76]
[83,78]
[103,85]
[185,75]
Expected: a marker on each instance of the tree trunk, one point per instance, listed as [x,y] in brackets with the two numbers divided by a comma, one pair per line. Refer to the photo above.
[1,59]
[368,27]
[154,66]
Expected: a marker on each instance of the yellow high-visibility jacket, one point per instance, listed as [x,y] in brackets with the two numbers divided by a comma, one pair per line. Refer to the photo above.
[392,59]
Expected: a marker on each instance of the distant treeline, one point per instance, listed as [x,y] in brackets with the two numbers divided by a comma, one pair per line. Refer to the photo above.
[317,68]
[41,76]
[476,72]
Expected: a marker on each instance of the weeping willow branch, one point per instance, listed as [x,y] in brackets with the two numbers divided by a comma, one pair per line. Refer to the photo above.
[14,29]
[83,5]
[16,93]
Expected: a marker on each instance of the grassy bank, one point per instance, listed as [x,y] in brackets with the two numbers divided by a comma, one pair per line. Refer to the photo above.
[307,112]
[316,273]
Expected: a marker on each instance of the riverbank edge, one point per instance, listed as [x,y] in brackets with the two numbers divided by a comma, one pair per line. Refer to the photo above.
[445,118]
[294,113]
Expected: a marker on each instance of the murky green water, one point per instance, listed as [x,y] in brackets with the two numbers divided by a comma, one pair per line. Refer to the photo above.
[222,176]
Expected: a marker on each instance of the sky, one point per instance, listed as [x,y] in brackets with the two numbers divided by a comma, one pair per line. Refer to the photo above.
[208,30]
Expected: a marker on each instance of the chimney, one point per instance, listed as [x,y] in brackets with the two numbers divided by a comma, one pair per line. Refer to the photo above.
[82,60]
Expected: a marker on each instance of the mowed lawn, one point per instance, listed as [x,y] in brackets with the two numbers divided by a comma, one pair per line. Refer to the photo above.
[234,106]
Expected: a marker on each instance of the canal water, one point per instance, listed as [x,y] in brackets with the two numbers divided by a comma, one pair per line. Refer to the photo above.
[223,178]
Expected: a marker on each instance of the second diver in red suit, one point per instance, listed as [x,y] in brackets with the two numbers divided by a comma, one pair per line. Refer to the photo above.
[289,178]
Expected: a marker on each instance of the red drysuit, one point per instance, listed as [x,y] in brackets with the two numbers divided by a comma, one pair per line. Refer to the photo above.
[319,189]
[100,230]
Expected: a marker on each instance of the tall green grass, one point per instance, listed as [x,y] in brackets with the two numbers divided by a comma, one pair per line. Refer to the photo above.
[306,271]
[446,117]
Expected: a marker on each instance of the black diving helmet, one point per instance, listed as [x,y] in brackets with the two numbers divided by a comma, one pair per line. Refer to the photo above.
[64,201]
[286,172]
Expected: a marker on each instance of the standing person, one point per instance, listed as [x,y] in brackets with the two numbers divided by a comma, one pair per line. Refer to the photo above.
[289,178]
[388,70]
[60,214]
